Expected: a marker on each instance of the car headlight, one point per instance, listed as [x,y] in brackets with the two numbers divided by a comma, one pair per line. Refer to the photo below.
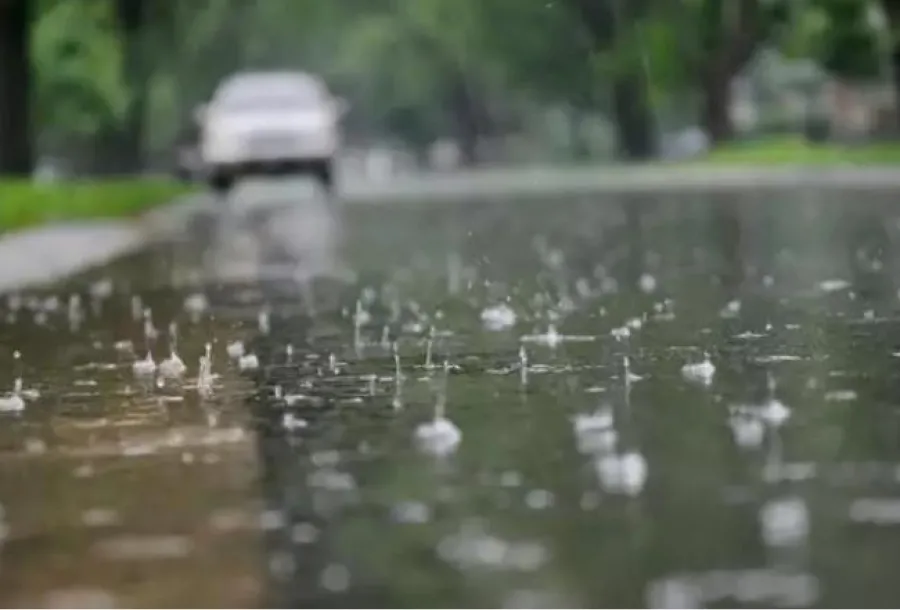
[221,143]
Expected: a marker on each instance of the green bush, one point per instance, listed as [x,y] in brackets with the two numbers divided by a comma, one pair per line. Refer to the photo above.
[24,203]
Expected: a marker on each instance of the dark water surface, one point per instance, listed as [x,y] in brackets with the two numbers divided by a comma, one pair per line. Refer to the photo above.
[576,482]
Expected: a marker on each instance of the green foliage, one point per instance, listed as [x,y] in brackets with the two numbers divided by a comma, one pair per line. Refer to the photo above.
[405,61]
[27,204]
[546,51]
[78,68]
[847,44]
[400,61]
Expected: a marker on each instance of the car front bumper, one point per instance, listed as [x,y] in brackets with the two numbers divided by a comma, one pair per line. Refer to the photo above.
[270,166]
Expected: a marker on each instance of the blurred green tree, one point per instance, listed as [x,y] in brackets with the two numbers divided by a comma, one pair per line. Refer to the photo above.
[891,9]
[711,42]
[610,25]
[847,45]
[124,75]
[16,153]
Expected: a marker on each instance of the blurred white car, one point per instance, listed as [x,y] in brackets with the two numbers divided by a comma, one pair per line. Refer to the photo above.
[263,123]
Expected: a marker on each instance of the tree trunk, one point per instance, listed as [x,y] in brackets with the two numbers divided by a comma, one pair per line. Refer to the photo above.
[717,99]
[732,40]
[891,10]
[635,132]
[635,129]
[106,155]
[466,121]
[131,18]
[895,78]
[16,146]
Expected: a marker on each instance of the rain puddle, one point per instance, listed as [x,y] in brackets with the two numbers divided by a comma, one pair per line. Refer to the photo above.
[583,404]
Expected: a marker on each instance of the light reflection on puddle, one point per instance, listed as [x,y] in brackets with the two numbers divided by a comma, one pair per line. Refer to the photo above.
[139,548]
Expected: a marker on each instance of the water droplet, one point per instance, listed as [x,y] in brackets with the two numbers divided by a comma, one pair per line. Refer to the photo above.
[539,499]
[304,533]
[335,578]
[784,522]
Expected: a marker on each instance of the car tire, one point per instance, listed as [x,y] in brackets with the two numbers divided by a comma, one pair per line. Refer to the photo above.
[221,182]
[324,173]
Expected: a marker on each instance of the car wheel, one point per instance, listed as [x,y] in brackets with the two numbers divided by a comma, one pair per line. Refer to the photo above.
[221,182]
[324,173]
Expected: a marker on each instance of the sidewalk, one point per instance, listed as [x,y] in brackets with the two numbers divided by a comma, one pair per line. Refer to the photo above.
[45,254]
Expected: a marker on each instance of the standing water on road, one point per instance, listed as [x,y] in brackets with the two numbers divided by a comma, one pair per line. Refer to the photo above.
[655,401]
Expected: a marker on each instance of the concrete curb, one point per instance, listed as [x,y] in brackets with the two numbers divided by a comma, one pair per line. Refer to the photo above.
[537,183]
[42,255]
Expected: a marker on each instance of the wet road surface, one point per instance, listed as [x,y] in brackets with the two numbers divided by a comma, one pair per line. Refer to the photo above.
[471,404]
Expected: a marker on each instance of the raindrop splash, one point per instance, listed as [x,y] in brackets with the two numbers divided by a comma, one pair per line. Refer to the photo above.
[440,436]
[523,366]
[700,372]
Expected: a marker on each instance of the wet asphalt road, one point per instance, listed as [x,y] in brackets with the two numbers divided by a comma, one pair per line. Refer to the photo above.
[46,254]
[573,481]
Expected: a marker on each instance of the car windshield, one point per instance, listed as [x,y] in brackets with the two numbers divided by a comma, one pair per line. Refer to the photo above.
[269,93]
[267,102]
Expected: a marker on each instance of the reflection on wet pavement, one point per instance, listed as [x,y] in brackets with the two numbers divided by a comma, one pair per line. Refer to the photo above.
[108,480]
[663,402]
